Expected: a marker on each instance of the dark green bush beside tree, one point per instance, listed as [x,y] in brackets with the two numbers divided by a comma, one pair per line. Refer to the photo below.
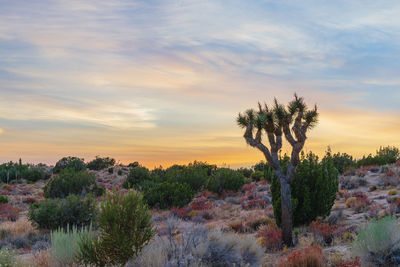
[226,179]
[313,190]
[124,229]
[137,177]
[166,195]
[56,213]
[341,161]
[100,163]
[69,163]
[70,182]
[34,174]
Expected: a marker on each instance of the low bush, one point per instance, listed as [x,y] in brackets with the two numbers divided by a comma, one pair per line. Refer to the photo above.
[69,163]
[165,195]
[56,213]
[270,237]
[124,229]
[378,243]
[226,179]
[8,212]
[309,257]
[73,182]
[100,163]
[7,258]
[323,233]
[392,192]
[119,172]
[341,161]
[3,199]
[314,190]
[111,170]
[137,177]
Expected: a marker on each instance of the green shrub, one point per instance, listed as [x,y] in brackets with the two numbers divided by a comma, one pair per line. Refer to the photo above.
[385,155]
[55,213]
[119,172]
[257,176]
[13,171]
[64,244]
[165,195]
[73,182]
[378,244]
[69,163]
[226,179]
[136,177]
[124,229]
[3,199]
[111,170]
[133,164]
[7,258]
[247,172]
[100,163]
[196,174]
[340,161]
[313,190]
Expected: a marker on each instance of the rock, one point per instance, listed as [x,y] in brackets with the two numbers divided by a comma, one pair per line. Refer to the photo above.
[372,188]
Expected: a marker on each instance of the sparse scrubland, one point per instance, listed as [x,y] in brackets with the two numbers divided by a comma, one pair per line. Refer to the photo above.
[343,211]
[344,214]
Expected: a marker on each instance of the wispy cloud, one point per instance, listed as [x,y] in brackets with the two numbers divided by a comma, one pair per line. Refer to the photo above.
[158,81]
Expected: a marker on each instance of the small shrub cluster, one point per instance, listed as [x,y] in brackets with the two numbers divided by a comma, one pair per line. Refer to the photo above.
[359,201]
[323,232]
[270,237]
[137,178]
[3,199]
[100,163]
[8,258]
[225,179]
[309,257]
[341,161]
[385,155]
[74,163]
[8,212]
[199,247]
[70,182]
[14,171]
[56,213]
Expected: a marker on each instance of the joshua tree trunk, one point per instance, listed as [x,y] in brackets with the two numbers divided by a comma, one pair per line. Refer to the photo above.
[295,119]
[286,206]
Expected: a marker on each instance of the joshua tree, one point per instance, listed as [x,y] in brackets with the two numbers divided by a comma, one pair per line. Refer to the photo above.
[292,121]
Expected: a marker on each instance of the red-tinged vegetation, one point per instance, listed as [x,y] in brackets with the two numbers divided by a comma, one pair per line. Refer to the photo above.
[8,212]
[323,231]
[249,187]
[351,263]
[29,200]
[309,257]
[270,237]
[201,204]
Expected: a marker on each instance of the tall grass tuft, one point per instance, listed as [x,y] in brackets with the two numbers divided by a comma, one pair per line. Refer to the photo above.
[379,243]
[64,244]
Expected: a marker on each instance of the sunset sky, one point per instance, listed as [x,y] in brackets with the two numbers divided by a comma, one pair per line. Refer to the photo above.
[162,82]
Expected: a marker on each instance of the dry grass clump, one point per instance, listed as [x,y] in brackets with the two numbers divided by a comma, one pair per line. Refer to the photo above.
[309,257]
[42,258]
[18,228]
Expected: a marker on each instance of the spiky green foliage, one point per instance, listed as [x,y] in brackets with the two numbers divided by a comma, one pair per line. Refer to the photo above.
[124,229]
[64,244]
[74,182]
[313,190]
[12,171]
[75,163]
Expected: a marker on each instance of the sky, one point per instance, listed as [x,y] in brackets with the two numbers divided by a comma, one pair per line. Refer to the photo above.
[161,82]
